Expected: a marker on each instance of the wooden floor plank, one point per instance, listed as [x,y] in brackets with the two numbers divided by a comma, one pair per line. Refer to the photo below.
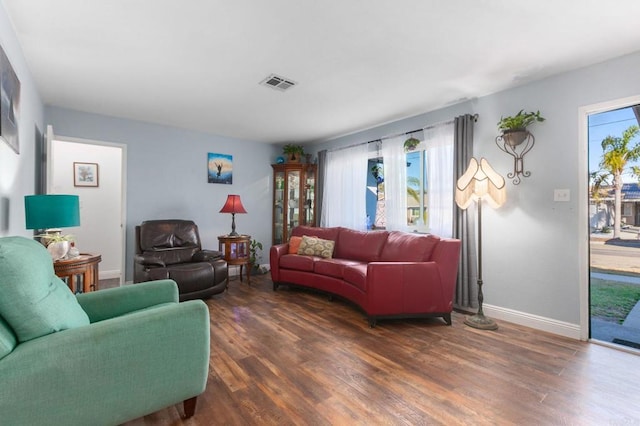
[295,357]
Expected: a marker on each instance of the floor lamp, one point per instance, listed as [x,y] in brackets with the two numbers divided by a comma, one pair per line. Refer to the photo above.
[480,183]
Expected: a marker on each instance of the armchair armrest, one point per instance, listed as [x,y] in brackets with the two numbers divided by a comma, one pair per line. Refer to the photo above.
[207,255]
[113,302]
[148,260]
[447,257]
[409,287]
[275,253]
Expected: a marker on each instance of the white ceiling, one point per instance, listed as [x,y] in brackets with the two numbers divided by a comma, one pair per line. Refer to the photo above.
[196,64]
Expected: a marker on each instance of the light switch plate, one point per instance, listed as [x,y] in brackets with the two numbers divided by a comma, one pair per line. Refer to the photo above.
[561,195]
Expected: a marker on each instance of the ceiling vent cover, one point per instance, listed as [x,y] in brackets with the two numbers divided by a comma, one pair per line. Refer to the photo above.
[277,82]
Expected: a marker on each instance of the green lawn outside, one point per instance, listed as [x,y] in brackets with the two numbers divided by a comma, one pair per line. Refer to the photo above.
[612,300]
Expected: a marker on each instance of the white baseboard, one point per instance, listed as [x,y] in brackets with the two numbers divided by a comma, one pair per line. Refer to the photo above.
[234,270]
[106,275]
[534,321]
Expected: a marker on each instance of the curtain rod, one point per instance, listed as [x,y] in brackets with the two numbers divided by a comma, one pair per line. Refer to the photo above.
[431,126]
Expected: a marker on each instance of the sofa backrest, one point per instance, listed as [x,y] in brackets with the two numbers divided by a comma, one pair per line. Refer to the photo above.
[408,247]
[171,233]
[360,245]
[314,231]
[171,240]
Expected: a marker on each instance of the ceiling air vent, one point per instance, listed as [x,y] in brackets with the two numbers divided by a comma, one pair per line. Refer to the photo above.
[278,83]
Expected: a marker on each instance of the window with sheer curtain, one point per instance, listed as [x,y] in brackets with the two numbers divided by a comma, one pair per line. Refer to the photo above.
[345,186]
[416,192]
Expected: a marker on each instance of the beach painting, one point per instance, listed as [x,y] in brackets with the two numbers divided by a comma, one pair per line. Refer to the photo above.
[220,168]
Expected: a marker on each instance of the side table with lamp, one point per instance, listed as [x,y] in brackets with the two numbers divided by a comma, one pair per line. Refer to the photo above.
[49,213]
[234,246]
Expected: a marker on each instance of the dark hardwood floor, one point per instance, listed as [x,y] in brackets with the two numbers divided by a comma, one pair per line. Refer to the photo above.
[294,357]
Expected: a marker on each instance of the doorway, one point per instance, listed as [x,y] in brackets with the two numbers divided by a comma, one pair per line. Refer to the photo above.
[613,297]
[102,204]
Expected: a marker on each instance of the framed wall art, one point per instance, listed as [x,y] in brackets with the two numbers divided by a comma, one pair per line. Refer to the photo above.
[9,103]
[220,168]
[85,174]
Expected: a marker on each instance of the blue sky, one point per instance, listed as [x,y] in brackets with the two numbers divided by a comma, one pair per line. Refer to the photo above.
[604,124]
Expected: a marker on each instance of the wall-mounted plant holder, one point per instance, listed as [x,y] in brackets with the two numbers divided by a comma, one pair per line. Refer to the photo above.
[516,143]
[516,140]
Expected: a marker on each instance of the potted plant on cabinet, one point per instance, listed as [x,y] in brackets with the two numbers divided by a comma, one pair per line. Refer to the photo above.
[514,128]
[293,152]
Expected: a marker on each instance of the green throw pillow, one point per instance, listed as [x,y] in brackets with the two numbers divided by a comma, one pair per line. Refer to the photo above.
[33,300]
[314,246]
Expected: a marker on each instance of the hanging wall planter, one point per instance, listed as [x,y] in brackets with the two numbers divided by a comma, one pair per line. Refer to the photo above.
[516,140]
[410,144]
[515,137]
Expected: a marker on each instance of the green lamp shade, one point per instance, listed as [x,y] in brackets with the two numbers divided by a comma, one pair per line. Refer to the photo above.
[51,211]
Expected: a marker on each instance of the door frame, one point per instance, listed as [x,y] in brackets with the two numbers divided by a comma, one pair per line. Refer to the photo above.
[51,136]
[583,199]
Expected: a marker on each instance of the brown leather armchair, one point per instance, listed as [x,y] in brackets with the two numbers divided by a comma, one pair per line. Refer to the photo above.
[172,249]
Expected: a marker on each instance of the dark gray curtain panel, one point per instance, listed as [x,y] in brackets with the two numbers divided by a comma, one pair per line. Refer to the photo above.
[464,223]
[322,167]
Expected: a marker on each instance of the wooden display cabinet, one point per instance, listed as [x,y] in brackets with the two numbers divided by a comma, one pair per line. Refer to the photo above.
[294,198]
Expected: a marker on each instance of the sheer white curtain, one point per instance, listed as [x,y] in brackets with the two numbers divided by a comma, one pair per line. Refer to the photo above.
[345,185]
[440,178]
[395,183]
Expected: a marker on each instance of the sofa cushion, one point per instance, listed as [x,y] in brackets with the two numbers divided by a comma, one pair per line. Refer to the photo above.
[313,246]
[297,262]
[7,339]
[332,267]
[405,247]
[33,300]
[356,275]
[313,231]
[360,245]
[294,244]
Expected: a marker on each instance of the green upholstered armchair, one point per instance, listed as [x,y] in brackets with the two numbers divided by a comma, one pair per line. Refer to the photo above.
[99,358]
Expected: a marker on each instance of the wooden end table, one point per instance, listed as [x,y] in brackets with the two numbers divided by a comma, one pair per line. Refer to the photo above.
[80,273]
[235,250]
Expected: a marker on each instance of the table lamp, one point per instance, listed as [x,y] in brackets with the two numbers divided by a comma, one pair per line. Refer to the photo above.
[480,183]
[49,213]
[233,206]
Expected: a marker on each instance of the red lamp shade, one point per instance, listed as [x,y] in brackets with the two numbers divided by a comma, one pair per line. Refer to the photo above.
[233,206]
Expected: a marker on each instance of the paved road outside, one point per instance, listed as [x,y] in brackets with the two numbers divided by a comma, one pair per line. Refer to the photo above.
[617,260]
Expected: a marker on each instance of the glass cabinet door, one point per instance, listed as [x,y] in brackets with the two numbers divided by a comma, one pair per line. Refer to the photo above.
[293,179]
[310,202]
[278,207]
[294,198]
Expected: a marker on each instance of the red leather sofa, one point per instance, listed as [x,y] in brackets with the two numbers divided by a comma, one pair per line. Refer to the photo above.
[388,274]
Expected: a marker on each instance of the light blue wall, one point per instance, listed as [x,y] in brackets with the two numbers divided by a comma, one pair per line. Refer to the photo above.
[17,172]
[167,175]
[531,244]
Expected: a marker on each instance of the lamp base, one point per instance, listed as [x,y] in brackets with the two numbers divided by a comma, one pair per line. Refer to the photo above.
[481,322]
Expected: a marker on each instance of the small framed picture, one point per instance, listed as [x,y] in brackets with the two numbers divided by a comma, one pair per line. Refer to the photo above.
[85,174]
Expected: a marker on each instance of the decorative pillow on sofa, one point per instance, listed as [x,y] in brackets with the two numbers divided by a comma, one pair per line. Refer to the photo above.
[313,246]
[33,300]
[294,244]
